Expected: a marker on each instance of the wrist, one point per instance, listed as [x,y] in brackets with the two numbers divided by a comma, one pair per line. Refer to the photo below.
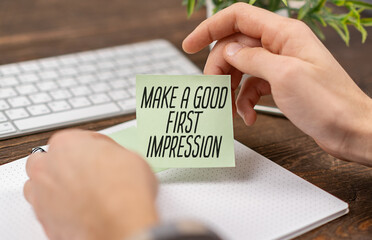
[136,220]
[358,146]
[140,222]
[118,220]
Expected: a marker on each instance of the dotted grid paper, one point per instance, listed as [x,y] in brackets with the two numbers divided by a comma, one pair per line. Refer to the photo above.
[256,200]
[17,219]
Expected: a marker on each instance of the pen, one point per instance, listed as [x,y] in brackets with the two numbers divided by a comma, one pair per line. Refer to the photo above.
[37,149]
[269,110]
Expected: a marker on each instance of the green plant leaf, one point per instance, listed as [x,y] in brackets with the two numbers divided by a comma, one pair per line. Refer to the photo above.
[355,21]
[190,7]
[319,6]
[367,22]
[339,2]
[320,19]
[344,35]
[364,33]
[199,4]
[303,11]
[359,4]
[285,2]
[315,28]
[216,2]
[252,2]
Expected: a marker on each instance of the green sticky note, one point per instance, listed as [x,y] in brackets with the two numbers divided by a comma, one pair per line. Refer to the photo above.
[128,138]
[185,121]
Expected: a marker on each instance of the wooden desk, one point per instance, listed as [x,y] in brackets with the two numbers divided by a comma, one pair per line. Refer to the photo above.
[43,28]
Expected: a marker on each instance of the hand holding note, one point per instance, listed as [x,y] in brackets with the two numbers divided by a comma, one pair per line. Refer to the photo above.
[287,60]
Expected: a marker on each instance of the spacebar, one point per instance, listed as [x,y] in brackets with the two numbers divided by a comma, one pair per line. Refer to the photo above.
[65,117]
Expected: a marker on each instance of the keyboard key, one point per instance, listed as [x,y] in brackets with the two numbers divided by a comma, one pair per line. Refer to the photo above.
[38,109]
[60,94]
[8,81]
[80,91]
[161,65]
[6,127]
[128,105]
[26,89]
[120,83]
[124,72]
[123,61]
[123,51]
[119,94]
[10,69]
[49,63]
[106,53]
[58,106]
[87,56]
[79,102]
[106,65]
[68,60]
[62,118]
[143,58]
[68,71]
[86,68]
[40,97]
[29,66]
[16,113]
[2,117]
[132,91]
[47,85]
[7,92]
[19,101]
[67,82]
[105,75]
[28,78]
[174,71]
[132,80]
[48,74]
[100,87]
[168,54]
[99,98]
[85,79]
[3,105]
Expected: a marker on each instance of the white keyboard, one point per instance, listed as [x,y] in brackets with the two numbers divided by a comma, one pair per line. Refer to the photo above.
[65,90]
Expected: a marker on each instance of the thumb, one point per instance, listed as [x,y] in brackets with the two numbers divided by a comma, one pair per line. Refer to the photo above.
[256,61]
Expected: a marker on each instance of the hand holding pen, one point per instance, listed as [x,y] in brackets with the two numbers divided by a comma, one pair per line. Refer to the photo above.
[92,185]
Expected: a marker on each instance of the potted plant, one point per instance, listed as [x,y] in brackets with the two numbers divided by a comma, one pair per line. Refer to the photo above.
[339,14]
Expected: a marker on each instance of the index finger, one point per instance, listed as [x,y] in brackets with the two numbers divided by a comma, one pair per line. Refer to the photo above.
[240,17]
[35,163]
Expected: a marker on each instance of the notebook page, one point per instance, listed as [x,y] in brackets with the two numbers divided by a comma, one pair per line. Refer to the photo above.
[257,199]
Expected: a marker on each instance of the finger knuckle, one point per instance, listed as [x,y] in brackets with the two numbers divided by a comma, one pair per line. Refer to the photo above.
[34,167]
[297,27]
[239,5]
[64,136]
[289,72]
[100,136]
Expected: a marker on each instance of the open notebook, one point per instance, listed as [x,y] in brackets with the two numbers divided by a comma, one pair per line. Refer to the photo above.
[257,199]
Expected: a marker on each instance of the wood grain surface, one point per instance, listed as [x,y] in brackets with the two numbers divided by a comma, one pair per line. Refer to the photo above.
[43,28]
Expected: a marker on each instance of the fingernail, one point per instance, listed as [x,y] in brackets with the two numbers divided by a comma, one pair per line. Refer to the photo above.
[241,114]
[233,48]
